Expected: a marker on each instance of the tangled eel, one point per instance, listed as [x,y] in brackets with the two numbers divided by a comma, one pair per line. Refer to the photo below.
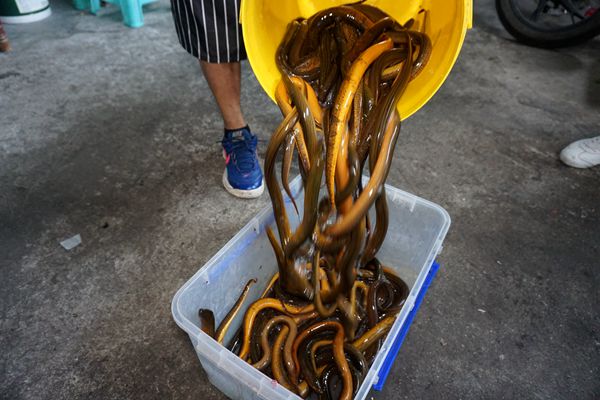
[319,323]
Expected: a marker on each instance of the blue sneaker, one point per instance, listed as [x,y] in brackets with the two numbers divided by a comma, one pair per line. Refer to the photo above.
[243,176]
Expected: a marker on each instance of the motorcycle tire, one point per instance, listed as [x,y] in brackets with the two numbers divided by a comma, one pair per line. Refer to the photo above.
[527,33]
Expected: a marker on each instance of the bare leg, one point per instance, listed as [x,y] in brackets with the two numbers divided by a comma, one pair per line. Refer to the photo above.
[4,43]
[242,177]
[225,81]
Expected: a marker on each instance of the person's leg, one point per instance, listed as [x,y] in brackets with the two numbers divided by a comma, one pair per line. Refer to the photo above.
[224,81]
[4,43]
[242,176]
[220,54]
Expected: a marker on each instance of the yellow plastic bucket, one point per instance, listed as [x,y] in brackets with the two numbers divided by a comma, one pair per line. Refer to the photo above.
[445,21]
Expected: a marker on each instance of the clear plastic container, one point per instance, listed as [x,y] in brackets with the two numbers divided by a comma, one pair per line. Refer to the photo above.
[416,231]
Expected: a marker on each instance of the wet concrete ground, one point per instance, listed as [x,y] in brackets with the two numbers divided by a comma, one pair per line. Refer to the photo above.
[111,133]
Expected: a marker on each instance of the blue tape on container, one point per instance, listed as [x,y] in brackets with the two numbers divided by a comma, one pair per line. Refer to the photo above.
[389,360]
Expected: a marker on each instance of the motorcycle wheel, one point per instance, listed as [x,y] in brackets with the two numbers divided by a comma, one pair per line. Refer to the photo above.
[526,30]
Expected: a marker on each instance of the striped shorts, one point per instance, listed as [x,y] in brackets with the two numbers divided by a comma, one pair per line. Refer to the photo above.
[209,29]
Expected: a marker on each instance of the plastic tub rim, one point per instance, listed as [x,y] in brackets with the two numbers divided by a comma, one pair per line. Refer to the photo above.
[27,18]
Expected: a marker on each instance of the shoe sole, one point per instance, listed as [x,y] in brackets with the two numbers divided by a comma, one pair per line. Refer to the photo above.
[573,161]
[242,194]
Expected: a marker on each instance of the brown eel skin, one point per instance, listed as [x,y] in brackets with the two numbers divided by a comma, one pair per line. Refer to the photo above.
[320,320]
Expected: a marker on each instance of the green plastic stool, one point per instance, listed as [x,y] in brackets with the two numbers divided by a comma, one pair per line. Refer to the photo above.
[131,9]
[81,4]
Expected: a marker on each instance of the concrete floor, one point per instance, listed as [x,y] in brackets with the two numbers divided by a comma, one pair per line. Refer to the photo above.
[111,133]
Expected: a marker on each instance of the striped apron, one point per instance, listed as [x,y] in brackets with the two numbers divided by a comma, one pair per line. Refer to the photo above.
[209,29]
